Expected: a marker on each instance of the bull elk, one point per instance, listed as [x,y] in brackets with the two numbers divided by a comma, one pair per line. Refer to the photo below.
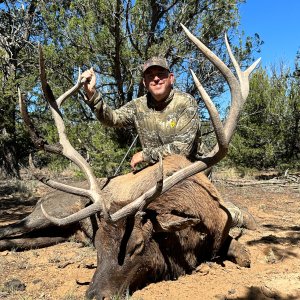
[143,230]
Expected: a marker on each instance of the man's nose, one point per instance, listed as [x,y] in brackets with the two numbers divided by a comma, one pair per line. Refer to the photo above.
[156,78]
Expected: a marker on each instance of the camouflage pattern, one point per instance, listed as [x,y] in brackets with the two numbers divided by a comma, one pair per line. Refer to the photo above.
[172,129]
[156,61]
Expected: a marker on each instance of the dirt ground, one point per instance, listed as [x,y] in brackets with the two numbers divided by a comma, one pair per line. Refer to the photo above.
[64,270]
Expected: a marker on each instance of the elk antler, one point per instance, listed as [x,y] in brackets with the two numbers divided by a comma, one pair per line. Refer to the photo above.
[239,88]
[64,147]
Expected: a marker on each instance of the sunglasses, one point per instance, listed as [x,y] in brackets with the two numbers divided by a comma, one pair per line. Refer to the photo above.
[161,75]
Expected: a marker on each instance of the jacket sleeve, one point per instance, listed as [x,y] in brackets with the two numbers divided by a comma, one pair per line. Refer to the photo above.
[187,133]
[121,117]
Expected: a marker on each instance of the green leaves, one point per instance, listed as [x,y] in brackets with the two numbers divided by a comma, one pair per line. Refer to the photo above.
[268,134]
[115,37]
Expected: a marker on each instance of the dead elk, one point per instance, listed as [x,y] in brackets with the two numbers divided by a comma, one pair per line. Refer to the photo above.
[160,222]
[172,236]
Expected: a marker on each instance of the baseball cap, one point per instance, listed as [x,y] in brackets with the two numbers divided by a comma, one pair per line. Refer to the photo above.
[156,61]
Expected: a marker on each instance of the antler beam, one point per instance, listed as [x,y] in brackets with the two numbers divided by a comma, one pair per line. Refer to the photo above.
[64,147]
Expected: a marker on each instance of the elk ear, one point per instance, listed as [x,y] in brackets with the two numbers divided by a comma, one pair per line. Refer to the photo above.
[136,243]
[170,222]
[135,246]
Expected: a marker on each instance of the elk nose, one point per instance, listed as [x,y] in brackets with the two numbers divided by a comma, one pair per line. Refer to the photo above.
[90,294]
[95,294]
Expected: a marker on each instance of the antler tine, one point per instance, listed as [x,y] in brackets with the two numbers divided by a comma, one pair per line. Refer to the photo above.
[234,62]
[242,75]
[214,115]
[226,72]
[64,187]
[84,213]
[72,91]
[38,141]
[252,67]
[23,110]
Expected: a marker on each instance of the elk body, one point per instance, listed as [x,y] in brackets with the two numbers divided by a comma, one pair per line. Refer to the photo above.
[151,225]
[36,230]
[174,234]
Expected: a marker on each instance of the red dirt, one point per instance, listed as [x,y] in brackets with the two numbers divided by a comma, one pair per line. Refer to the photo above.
[62,271]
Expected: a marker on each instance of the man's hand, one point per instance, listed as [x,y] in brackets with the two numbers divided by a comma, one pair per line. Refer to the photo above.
[90,84]
[136,159]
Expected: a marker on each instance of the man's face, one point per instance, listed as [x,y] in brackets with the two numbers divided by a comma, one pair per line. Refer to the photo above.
[158,81]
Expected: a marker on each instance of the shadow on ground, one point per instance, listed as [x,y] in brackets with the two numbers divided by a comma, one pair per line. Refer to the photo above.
[15,204]
[292,236]
[263,293]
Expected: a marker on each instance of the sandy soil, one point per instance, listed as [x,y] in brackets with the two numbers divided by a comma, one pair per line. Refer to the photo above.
[64,270]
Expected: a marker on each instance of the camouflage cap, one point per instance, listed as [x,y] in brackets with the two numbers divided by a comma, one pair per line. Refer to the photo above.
[156,61]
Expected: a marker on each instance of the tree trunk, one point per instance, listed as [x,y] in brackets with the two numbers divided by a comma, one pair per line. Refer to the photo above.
[9,167]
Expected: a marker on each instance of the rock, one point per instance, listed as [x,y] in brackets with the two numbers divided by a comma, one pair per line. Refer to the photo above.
[15,285]
[36,281]
[203,269]
[232,291]
[220,297]
[270,292]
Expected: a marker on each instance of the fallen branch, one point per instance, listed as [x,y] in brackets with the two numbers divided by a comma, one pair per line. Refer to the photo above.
[277,182]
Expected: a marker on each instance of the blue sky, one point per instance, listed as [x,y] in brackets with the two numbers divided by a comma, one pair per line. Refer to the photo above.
[278,24]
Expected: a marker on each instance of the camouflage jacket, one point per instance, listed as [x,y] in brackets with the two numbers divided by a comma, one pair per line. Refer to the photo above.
[169,127]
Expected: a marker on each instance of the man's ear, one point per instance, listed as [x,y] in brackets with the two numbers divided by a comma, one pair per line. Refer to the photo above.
[172,77]
[144,82]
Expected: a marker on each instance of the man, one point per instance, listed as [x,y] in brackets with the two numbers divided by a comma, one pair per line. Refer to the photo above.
[166,120]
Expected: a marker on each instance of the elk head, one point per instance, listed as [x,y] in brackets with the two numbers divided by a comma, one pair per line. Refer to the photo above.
[132,252]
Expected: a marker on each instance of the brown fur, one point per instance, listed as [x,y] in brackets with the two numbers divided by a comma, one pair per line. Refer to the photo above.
[128,187]
[177,231]
[181,228]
